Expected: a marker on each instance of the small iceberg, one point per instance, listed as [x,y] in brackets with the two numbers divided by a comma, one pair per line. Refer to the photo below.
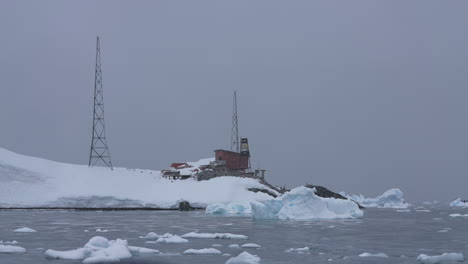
[459,203]
[378,255]
[203,251]
[170,238]
[214,235]
[101,250]
[25,230]
[240,208]
[297,250]
[11,249]
[444,258]
[244,258]
[302,204]
[251,245]
[392,198]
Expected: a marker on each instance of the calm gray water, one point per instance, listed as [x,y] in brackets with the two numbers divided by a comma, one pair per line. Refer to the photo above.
[400,235]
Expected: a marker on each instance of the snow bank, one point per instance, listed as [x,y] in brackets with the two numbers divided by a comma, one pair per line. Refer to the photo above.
[203,251]
[458,203]
[25,230]
[101,250]
[392,198]
[11,249]
[302,204]
[244,258]
[229,208]
[214,235]
[378,255]
[444,258]
[35,182]
[170,238]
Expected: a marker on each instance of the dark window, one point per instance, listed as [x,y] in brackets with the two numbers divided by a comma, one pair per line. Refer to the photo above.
[220,158]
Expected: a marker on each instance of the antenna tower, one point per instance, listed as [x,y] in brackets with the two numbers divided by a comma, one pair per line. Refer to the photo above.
[235,146]
[99,150]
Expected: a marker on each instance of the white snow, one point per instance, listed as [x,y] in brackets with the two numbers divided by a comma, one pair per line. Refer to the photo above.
[379,255]
[214,235]
[11,249]
[458,203]
[244,258]
[170,238]
[28,181]
[242,208]
[203,251]
[392,198]
[251,245]
[25,230]
[101,250]
[302,204]
[444,258]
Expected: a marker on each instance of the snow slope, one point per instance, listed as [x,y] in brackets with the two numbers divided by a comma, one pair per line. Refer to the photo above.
[29,181]
[392,198]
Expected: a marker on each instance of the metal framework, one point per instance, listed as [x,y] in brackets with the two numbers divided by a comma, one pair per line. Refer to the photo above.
[235,146]
[99,150]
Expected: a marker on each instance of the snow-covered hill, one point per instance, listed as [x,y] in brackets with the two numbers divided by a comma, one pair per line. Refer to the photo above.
[30,182]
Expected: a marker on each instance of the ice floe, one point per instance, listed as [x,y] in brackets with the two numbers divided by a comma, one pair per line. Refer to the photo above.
[25,230]
[11,249]
[13,242]
[459,203]
[101,250]
[444,258]
[251,245]
[458,215]
[234,208]
[203,251]
[217,245]
[151,236]
[303,249]
[170,238]
[302,204]
[378,255]
[234,246]
[244,258]
[99,230]
[392,198]
[214,235]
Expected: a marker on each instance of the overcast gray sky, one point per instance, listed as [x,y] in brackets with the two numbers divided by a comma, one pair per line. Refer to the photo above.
[358,96]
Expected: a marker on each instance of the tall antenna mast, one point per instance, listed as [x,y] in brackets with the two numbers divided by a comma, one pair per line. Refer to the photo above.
[99,150]
[235,146]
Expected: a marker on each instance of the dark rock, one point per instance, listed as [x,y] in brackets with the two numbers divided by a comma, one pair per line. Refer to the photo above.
[326,193]
[255,190]
[185,206]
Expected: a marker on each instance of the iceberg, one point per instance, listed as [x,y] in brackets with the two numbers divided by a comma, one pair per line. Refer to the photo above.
[101,250]
[11,249]
[244,258]
[170,238]
[458,203]
[25,230]
[302,204]
[392,198]
[214,235]
[444,258]
[377,255]
[203,251]
[241,208]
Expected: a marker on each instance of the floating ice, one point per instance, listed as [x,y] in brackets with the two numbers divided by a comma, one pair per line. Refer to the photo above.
[444,258]
[251,245]
[240,208]
[379,255]
[9,242]
[392,198]
[25,230]
[214,235]
[458,215]
[170,238]
[298,249]
[99,230]
[234,246]
[302,204]
[217,245]
[459,203]
[151,236]
[11,249]
[203,251]
[244,258]
[101,250]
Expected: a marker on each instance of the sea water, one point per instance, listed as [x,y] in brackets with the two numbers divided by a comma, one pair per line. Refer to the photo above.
[401,235]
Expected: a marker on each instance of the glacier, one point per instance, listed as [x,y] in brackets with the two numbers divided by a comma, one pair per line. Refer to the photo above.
[392,198]
[302,204]
[35,182]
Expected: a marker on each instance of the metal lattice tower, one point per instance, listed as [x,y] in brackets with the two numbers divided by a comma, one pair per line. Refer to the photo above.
[99,150]
[235,146]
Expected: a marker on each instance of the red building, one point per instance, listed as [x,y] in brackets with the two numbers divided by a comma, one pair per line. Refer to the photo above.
[234,160]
